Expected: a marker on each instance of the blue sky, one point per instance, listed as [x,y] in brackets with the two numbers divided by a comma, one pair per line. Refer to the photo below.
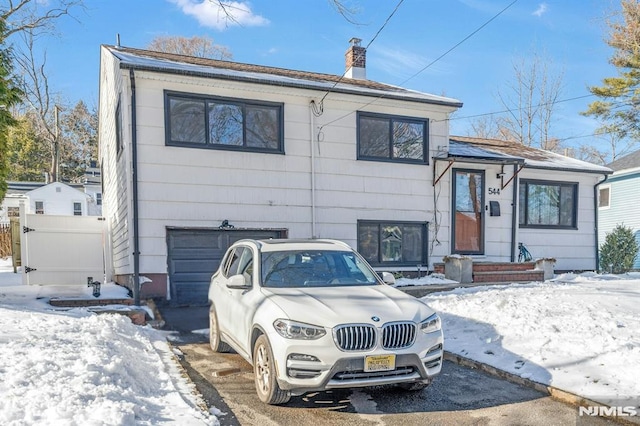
[310,35]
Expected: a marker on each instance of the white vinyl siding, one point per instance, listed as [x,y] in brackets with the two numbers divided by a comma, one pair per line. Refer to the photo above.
[200,188]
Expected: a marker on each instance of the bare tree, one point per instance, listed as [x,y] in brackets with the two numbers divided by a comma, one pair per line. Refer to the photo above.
[38,99]
[530,101]
[35,15]
[202,47]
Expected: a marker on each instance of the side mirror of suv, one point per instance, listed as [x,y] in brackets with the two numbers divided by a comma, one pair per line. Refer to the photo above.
[238,282]
[388,278]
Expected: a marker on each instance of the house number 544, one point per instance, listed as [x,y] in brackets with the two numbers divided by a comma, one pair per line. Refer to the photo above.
[494,191]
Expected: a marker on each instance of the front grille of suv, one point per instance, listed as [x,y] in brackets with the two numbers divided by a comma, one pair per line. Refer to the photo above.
[362,337]
[355,337]
[398,335]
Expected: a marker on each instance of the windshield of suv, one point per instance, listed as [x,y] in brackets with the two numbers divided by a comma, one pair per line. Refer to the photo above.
[317,268]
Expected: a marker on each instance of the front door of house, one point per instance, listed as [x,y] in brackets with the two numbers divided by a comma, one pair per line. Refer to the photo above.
[467,208]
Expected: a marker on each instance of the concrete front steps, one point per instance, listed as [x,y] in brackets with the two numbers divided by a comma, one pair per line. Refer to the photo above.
[501,272]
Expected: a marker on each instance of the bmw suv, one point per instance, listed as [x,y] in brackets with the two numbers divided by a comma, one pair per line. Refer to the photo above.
[312,315]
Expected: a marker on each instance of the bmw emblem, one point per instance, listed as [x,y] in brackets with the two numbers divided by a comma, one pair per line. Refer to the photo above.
[374,318]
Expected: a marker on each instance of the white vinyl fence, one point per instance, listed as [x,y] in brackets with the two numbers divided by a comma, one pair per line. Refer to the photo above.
[62,250]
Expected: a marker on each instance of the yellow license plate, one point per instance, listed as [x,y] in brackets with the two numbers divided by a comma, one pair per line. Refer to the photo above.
[379,362]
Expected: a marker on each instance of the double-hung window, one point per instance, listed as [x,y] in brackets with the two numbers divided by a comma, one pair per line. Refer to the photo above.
[546,204]
[77,209]
[223,123]
[392,242]
[392,138]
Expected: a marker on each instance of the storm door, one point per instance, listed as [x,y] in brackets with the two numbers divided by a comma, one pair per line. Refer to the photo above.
[468,222]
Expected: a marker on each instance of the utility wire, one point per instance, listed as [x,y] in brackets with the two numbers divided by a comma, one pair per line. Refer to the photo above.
[515,109]
[430,64]
[366,47]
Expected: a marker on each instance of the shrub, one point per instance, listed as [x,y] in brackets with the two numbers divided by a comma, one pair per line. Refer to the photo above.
[619,250]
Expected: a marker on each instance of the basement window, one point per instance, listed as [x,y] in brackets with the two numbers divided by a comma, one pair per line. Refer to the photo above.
[394,243]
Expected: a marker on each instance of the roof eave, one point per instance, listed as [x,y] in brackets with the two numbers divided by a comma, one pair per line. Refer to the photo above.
[568,169]
[363,92]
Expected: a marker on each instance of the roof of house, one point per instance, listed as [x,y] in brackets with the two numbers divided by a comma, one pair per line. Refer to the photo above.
[506,151]
[630,161]
[212,68]
[22,188]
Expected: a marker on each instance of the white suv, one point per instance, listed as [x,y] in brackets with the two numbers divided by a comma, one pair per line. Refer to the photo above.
[311,315]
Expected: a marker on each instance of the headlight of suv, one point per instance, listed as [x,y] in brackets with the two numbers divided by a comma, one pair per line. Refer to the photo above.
[431,324]
[298,330]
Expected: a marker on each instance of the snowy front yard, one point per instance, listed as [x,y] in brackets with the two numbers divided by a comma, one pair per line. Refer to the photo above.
[580,333]
[73,367]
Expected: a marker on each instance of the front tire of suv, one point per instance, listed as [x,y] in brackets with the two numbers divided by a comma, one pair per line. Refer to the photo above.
[217,345]
[264,369]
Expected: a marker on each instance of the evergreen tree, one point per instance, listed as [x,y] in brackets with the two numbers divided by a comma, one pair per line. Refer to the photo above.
[619,250]
[620,96]
[10,95]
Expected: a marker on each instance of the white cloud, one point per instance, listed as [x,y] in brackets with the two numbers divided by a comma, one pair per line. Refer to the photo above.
[542,8]
[220,14]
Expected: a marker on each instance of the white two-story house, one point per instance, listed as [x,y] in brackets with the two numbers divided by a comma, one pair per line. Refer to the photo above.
[197,153]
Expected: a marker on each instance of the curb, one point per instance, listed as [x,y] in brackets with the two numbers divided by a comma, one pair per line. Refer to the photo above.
[553,392]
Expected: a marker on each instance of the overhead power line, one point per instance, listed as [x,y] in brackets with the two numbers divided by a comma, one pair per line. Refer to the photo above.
[366,47]
[431,63]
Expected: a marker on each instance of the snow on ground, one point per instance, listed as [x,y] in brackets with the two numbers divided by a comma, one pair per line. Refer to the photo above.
[75,367]
[578,333]
[433,279]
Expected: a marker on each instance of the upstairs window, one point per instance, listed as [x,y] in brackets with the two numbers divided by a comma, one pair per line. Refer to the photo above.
[99,198]
[546,204]
[220,123]
[77,209]
[392,138]
[39,207]
[119,142]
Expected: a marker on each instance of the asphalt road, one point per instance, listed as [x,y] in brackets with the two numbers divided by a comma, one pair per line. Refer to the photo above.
[458,396]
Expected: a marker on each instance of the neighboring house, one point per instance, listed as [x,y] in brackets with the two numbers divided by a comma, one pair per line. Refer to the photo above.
[59,200]
[92,184]
[55,198]
[618,199]
[197,153]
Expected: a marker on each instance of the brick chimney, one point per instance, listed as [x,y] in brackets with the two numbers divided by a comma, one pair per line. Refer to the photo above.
[356,60]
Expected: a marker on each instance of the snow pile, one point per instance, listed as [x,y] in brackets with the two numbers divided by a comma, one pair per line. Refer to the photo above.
[433,279]
[578,333]
[75,367]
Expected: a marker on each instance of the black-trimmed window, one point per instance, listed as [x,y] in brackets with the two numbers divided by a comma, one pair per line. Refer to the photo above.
[223,123]
[547,204]
[392,138]
[119,142]
[393,243]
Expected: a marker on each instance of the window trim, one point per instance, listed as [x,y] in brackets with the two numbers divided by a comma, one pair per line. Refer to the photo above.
[575,187]
[77,204]
[425,236]
[601,188]
[391,118]
[35,206]
[243,103]
[118,117]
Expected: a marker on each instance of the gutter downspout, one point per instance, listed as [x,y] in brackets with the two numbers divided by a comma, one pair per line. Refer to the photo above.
[313,171]
[134,179]
[514,211]
[595,217]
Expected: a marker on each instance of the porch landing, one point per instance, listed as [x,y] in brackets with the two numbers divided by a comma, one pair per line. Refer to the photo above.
[501,272]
